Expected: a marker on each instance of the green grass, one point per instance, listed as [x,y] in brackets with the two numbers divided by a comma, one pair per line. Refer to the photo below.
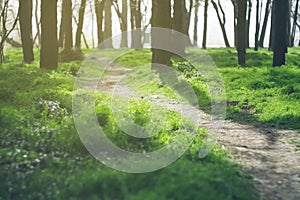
[42,157]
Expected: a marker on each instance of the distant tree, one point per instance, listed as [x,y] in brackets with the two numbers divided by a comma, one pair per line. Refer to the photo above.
[280,31]
[234,21]
[107,22]
[265,23]
[295,18]
[222,20]
[49,43]
[136,23]
[80,24]
[257,23]
[5,28]
[99,8]
[241,31]
[65,33]
[25,20]
[37,24]
[161,17]
[196,18]
[122,15]
[205,25]
[248,22]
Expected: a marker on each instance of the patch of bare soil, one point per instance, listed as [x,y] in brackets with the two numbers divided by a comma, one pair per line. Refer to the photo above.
[266,154]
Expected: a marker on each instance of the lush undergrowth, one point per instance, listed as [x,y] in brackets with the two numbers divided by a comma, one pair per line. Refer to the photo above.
[257,93]
[42,157]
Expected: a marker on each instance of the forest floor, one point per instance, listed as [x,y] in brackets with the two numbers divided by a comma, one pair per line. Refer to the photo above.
[267,154]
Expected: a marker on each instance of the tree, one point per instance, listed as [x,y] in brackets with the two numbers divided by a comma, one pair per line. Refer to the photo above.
[295,18]
[161,17]
[136,23]
[122,15]
[25,20]
[65,35]
[196,18]
[222,20]
[205,25]
[49,43]
[241,31]
[257,25]
[80,24]
[99,8]
[234,21]
[265,23]
[248,22]
[107,23]
[280,31]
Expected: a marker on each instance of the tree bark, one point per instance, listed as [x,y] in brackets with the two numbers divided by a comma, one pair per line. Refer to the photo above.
[295,18]
[196,18]
[241,31]
[65,35]
[49,43]
[80,24]
[136,24]
[25,20]
[124,25]
[248,23]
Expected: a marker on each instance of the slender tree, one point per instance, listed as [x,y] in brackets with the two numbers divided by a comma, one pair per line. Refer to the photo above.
[25,20]
[49,43]
[222,20]
[257,25]
[295,18]
[234,21]
[65,33]
[265,23]
[241,31]
[123,15]
[80,24]
[205,24]
[248,22]
[136,23]
[280,31]
[196,18]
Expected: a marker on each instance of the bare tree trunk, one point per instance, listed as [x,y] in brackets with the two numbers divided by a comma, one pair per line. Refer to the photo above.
[197,4]
[295,18]
[25,20]
[161,17]
[265,23]
[37,21]
[280,31]
[99,15]
[80,24]
[248,23]
[107,22]
[205,25]
[241,31]
[234,21]
[124,41]
[65,33]
[257,25]
[222,20]
[49,43]
[136,23]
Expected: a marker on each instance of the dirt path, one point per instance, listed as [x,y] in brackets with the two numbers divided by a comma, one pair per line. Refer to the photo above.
[268,155]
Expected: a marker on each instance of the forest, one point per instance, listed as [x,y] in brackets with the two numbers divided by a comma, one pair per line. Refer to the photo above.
[150,99]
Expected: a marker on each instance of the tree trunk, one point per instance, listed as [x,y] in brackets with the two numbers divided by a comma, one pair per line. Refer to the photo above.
[222,22]
[161,17]
[124,28]
[99,16]
[257,25]
[295,18]
[37,21]
[241,31]
[205,25]
[107,23]
[248,23]
[197,4]
[49,43]
[234,21]
[80,24]
[65,33]
[280,31]
[265,23]
[25,20]
[136,23]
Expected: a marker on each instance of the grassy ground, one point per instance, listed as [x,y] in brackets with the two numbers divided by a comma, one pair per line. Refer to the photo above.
[41,156]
